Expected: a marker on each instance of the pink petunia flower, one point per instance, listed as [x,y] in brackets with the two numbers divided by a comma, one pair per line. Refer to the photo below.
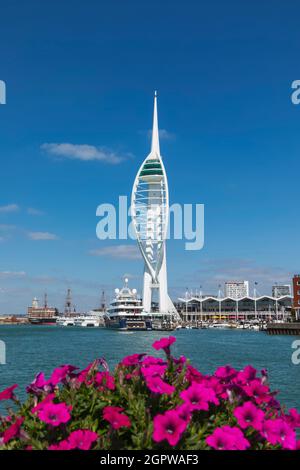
[83,375]
[220,440]
[184,412]
[152,370]
[132,360]
[114,415]
[39,385]
[82,439]
[55,414]
[215,383]
[168,426]
[104,380]
[227,438]
[13,431]
[278,431]
[239,440]
[8,393]
[193,375]
[245,376]
[225,373]
[60,374]
[198,397]
[249,372]
[62,445]
[157,385]
[49,398]
[151,360]
[164,344]
[249,415]
[259,392]
[293,418]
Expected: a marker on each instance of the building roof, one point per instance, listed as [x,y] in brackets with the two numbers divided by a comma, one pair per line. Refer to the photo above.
[218,299]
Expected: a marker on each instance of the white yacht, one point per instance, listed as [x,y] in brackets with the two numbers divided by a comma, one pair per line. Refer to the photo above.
[92,319]
[126,312]
[88,320]
[65,321]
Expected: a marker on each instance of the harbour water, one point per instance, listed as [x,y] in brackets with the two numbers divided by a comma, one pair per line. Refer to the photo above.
[31,349]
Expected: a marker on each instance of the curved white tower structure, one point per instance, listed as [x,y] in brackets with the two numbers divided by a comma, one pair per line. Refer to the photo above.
[150,216]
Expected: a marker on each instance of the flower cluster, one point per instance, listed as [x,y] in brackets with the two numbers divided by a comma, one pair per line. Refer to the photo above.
[148,402]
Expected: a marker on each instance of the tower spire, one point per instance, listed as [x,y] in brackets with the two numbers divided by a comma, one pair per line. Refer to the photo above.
[155,136]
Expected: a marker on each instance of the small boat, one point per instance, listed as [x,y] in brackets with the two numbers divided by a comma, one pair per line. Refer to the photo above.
[219,325]
[162,324]
[255,327]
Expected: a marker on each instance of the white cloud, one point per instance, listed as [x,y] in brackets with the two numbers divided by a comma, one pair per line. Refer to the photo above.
[9,208]
[83,152]
[132,276]
[42,236]
[33,211]
[118,251]
[163,134]
[12,274]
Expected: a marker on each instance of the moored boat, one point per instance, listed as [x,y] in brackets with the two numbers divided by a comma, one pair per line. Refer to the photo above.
[41,315]
[87,320]
[126,311]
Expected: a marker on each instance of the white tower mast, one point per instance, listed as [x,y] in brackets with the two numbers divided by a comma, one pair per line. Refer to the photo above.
[150,216]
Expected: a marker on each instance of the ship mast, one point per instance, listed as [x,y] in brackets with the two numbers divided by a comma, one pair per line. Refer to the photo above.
[103,302]
[68,303]
[45,300]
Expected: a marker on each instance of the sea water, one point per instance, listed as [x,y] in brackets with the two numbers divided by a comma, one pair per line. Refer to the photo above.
[31,349]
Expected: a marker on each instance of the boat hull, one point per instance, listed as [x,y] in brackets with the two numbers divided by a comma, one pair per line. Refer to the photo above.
[128,324]
[42,321]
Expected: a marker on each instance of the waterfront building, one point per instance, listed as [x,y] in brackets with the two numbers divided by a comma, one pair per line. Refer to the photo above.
[150,216]
[12,320]
[236,289]
[296,291]
[280,290]
[216,307]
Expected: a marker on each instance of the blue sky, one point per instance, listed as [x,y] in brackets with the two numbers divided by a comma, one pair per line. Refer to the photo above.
[84,74]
